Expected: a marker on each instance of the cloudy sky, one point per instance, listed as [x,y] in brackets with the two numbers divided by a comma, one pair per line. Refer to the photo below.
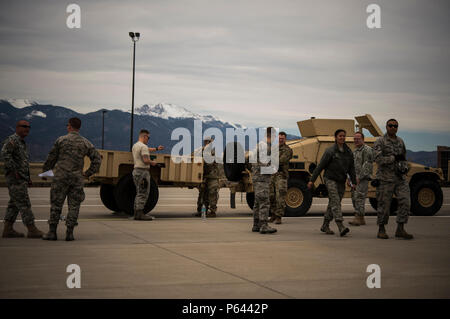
[249,62]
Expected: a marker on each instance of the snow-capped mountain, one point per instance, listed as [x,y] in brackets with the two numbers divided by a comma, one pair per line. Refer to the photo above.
[35,113]
[19,103]
[168,110]
[49,122]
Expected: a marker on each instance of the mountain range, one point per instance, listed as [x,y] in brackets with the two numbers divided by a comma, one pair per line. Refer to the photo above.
[49,122]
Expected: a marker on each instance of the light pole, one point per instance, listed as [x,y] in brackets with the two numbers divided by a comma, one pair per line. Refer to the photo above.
[134,37]
[103,129]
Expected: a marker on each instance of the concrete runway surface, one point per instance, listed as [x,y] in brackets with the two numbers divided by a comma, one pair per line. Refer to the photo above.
[181,256]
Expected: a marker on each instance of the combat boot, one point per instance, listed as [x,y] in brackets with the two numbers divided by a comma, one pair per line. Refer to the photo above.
[342,229]
[256,225]
[139,215]
[272,219]
[401,232]
[211,214]
[69,233]
[9,232]
[356,221]
[362,221]
[33,232]
[326,228]
[382,232]
[277,220]
[51,235]
[199,212]
[266,229]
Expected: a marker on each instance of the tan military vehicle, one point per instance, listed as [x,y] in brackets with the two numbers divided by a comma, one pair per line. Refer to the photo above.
[117,189]
[318,134]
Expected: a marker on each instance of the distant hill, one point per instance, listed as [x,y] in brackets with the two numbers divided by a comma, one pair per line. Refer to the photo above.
[49,122]
[424,158]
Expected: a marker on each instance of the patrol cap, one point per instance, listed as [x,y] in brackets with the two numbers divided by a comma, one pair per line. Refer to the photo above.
[208,139]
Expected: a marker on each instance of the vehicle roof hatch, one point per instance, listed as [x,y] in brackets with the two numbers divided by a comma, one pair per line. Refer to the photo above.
[367,122]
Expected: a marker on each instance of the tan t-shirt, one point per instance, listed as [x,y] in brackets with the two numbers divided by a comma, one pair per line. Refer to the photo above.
[139,150]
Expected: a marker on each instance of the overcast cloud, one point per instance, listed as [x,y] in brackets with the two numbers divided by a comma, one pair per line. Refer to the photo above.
[249,62]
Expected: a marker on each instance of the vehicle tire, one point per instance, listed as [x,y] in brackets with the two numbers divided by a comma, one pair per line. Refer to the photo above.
[298,198]
[107,197]
[394,205]
[250,197]
[426,197]
[125,193]
[373,202]
[233,170]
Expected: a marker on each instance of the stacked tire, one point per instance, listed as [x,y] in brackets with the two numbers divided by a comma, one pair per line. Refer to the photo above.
[121,196]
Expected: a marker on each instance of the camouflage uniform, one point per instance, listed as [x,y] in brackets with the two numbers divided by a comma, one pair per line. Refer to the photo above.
[210,183]
[15,156]
[337,165]
[141,179]
[202,198]
[363,157]
[392,180]
[335,194]
[261,188]
[278,184]
[67,160]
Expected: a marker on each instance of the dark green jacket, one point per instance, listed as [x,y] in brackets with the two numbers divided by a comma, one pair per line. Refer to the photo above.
[336,164]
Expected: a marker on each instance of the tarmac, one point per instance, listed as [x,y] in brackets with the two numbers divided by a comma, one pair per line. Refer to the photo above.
[181,256]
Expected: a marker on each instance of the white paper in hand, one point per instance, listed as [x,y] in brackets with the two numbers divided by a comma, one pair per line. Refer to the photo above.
[350,180]
[47,174]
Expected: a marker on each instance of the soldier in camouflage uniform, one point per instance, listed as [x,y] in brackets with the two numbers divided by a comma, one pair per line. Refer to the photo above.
[209,189]
[202,199]
[337,162]
[261,188]
[390,156]
[211,178]
[17,174]
[66,158]
[363,156]
[278,185]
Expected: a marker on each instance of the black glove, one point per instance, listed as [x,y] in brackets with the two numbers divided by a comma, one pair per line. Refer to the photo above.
[400,157]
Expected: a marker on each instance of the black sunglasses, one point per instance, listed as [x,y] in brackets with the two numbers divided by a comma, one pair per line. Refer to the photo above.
[25,126]
[393,125]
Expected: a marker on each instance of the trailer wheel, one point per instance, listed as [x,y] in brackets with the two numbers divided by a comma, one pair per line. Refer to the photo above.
[125,193]
[298,198]
[250,197]
[394,205]
[107,197]
[426,197]
[231,166]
